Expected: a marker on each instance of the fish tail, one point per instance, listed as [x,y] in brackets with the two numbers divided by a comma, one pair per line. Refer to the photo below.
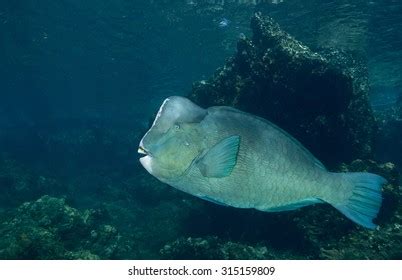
[363,205]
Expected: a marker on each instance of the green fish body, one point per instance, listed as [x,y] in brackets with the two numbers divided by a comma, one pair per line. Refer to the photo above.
[233,158]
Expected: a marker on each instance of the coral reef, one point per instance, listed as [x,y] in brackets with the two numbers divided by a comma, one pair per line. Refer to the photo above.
[213,248]
[18,184]
[50,229]
[321,99]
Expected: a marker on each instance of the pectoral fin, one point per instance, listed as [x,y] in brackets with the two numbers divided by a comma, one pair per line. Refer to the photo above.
[220,160]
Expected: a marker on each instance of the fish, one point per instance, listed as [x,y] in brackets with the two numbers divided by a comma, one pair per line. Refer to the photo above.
[233,158]
[224,22]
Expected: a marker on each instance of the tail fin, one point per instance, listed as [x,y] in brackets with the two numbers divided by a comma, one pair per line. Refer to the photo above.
[365,202]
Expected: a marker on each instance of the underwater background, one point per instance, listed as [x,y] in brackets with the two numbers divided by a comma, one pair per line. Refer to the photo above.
[81,81]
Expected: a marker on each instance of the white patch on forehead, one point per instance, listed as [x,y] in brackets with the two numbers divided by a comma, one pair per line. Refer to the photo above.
[160,111]
[174,109]
[156,118]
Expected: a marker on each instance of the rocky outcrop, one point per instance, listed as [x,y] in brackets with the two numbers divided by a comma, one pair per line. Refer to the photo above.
[50,229]
[319,98]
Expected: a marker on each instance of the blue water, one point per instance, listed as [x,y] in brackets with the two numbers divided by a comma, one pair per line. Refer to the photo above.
[80,82]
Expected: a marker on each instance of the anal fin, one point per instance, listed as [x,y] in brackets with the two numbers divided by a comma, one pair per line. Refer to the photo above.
[293,206]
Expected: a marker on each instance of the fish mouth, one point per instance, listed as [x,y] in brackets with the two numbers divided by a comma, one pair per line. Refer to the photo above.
[146,160]
[143,151]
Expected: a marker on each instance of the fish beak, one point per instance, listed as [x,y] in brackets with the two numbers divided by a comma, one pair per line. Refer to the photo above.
[146,160]
[142,151]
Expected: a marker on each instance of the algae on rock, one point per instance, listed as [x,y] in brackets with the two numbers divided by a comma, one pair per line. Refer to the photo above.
[50,229]
[212,247]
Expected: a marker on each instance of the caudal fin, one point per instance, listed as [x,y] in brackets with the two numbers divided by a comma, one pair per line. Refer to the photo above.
[365,202]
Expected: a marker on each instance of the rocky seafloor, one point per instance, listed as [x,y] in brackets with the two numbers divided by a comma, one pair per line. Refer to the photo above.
[98,203]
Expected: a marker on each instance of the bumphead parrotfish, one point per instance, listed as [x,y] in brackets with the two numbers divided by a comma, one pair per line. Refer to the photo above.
[233,158]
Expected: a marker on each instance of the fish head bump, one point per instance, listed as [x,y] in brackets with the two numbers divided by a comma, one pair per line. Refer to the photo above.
[174,139]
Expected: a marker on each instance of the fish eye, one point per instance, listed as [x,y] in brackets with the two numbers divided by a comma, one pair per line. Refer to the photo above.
[177,127]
